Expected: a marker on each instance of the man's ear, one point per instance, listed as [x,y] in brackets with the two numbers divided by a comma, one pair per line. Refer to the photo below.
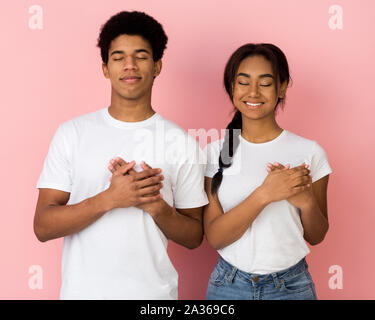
[157,68]
[105,70]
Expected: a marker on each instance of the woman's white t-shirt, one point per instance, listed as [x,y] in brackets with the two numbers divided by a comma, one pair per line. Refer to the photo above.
[274,241]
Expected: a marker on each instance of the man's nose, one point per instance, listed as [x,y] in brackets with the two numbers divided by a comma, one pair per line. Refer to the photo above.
[129,63]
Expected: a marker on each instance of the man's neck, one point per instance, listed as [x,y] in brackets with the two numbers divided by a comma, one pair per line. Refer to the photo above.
[130,111]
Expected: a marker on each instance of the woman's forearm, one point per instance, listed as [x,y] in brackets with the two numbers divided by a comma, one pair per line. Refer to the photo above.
[229,227]
[315,224]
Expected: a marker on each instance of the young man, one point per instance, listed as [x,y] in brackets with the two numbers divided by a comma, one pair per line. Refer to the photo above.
[119,218]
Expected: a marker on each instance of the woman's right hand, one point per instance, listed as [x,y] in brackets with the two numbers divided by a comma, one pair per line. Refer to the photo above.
[282,184]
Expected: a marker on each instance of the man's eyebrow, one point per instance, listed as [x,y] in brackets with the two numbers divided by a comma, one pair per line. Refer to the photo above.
[142,50]
[117,52]
[136,51]
[266,75]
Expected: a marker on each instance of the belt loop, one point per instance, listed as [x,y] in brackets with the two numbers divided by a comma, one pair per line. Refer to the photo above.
[276,281]
[232,274]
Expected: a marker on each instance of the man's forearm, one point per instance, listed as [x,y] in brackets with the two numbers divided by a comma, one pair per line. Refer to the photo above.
[55,221]
[182,229]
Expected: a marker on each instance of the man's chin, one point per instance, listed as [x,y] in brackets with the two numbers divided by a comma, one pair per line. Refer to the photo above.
[130,96]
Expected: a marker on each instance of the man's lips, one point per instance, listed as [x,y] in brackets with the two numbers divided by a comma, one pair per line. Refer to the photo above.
[130,79]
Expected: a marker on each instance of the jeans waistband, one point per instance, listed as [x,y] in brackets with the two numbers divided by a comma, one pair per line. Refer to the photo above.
[299,267]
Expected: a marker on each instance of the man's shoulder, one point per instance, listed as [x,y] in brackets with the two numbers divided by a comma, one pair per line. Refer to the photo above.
[169,124]
[82,120]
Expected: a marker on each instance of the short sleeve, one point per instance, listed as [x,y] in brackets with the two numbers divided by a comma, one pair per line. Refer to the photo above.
[57,168]
[319,163]
[189,190]
[212,152]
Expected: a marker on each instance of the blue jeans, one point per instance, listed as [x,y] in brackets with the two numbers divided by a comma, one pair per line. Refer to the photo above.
[229,283]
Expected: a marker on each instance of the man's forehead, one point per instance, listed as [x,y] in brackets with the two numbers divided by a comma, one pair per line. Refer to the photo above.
[130,43]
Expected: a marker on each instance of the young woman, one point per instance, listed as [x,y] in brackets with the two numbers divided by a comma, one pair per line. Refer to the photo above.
[267,188]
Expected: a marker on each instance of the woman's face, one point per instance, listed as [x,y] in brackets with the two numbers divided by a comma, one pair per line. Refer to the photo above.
[254,88]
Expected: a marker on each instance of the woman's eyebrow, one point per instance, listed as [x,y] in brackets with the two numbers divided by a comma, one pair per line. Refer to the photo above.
[266,75]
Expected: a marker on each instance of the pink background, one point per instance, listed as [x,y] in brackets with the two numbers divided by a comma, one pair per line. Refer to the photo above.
[54,74]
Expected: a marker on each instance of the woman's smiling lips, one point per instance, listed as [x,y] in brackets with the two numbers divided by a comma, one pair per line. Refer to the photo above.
[253,105]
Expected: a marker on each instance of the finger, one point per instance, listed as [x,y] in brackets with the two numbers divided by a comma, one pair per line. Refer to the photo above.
[115,164]
[124,169]
[152,194]
[300,189]
[298,172]
[144,200]
[145,166]
[270,167]
[148,190]
[111,168]
[148,181]
[119,162]
[278,165]
[304,166]
[301,181]
[147,173]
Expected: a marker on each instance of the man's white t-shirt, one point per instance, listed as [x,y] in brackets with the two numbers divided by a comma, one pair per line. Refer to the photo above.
[122,255]
[274,241]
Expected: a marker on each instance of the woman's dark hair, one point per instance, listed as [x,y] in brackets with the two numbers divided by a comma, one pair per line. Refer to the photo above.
[133,23]
[280,70]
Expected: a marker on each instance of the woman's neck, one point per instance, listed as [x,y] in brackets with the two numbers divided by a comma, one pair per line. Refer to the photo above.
[258,131]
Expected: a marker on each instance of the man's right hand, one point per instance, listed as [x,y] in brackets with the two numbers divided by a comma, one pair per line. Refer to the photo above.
[130,190]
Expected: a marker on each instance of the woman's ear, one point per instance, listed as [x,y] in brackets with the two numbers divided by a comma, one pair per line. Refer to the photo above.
[283,89]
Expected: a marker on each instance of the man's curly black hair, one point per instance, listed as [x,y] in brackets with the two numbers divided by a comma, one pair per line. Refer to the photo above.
[133,23]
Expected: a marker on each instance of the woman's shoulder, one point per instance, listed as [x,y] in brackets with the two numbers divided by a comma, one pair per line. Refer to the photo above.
[298,140]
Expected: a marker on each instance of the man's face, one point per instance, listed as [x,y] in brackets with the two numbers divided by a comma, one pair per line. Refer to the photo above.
[131,68]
